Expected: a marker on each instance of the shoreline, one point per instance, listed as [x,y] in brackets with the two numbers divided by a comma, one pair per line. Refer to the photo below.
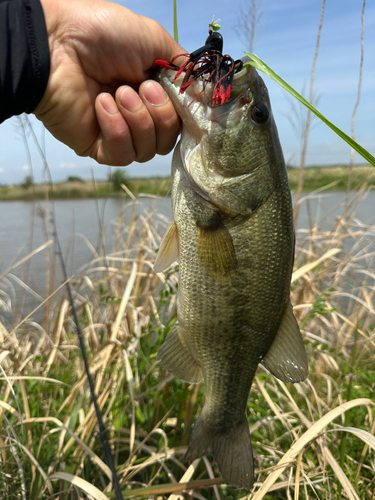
[333,178]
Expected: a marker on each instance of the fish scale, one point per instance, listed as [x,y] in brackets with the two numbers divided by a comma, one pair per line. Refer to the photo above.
[233,237]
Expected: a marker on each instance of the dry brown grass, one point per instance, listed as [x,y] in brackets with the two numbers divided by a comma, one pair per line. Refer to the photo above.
[311,440]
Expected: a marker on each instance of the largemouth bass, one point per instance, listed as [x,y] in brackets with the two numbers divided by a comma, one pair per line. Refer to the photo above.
[232,233]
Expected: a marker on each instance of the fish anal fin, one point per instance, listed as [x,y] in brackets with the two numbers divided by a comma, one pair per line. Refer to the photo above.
[168,250]
[286,358]
[216,253]
[232,451]
[175,356]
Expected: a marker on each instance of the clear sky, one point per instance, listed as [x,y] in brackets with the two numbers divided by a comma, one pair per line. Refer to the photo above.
[285,40]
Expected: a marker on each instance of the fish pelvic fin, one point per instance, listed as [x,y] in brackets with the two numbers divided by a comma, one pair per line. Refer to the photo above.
[217,257]
[286,358]
[176,357]
[231,450]
[168,250]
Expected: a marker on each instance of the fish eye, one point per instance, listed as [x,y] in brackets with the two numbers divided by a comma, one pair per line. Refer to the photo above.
[260,113]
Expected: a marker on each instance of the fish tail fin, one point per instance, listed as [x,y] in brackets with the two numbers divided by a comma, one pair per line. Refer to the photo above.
[232,451]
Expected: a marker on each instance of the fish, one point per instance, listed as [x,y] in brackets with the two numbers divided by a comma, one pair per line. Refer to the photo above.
[233,237]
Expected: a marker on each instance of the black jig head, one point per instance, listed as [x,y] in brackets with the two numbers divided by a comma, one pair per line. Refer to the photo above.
[209,65]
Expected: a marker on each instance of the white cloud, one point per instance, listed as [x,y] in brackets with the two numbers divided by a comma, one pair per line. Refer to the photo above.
[1,170]
[26,167]
[64,164]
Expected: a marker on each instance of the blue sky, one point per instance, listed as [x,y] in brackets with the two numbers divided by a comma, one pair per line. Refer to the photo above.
[286,41]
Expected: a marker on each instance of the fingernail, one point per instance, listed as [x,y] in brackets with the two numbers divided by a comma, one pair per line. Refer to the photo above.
[130,100]
[108,104]
[155,94]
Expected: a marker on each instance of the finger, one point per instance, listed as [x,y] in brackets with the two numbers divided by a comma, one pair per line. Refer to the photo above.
[114,145]
[139,121]
[165,118]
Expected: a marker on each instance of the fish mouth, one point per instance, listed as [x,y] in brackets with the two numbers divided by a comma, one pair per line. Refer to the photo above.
[201,92]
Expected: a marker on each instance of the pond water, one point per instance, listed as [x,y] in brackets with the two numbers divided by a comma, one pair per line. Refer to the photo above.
[88,227]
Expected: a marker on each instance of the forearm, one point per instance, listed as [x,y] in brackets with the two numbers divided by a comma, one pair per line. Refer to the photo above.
[24,56]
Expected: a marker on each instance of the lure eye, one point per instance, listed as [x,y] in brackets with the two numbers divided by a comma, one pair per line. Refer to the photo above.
[260,113]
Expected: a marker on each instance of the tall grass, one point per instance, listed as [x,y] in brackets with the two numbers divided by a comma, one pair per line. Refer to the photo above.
[305,132]
[311,440]
[352,124]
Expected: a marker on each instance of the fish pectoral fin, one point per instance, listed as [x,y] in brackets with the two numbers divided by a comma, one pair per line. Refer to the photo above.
[232,451]
[168,250]
[216,254]
[286,358]
[229,202]
[175,356]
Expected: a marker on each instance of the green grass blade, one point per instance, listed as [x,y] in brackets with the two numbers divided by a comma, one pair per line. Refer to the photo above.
[162,489]
[262,66]
[175,26]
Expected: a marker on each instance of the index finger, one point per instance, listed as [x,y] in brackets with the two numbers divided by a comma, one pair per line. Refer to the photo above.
[166,120]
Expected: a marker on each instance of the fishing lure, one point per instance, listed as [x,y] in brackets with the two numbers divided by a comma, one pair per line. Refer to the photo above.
[209,65]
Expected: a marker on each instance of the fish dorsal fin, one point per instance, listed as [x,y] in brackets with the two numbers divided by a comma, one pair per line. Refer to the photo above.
[176,357]
[286,358]
[168,250]
[216,254]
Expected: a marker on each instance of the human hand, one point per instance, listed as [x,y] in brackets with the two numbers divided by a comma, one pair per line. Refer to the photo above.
[96,47]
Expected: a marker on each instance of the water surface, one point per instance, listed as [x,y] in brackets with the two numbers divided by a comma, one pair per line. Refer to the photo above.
[88,228]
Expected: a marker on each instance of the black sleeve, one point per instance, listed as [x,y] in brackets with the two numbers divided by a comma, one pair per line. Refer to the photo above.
[24,56]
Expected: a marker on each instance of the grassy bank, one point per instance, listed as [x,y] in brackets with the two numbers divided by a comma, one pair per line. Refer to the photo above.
[314,178]
[159,186]
[310,440]
[336,177]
